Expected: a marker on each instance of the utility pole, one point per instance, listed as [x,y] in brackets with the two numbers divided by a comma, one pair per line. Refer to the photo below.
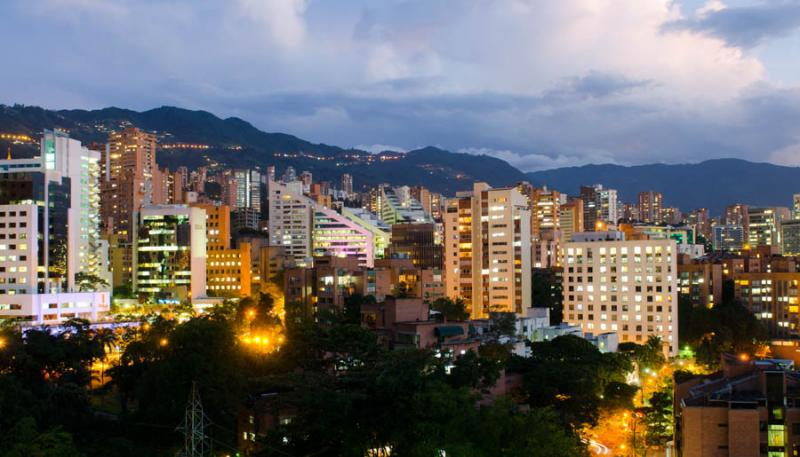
[194,427]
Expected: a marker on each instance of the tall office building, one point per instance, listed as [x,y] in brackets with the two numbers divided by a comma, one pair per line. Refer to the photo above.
[571,217]
[170,249]
[790,238]
[796,206]
[307,179]
[487,248]
[651,207]
[419,242]
[737,215]
[306,229]
[49,232]
[764,226]
[248,189]
[127,165]
[228,271]
[546,213]
[599,205]
[347,184]
[728,238]
[628,287]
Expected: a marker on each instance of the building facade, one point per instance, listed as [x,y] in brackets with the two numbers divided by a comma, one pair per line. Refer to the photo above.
[487,248]
[628,287]
[170,246]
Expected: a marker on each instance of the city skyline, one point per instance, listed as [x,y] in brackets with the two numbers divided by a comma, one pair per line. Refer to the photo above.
[543,85]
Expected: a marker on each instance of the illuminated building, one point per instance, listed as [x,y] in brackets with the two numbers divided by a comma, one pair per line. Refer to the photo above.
[305,228]
[248,190]
[381,232]
[764,226]
[128,167]
[347,184]
[651,207]
[624,286]
[170,247]
[728,237]
[700,281]
[748,408]
[228,271]
[599,204]
[49,232]
[571,217]
[790,237]
[546,213]
[773,298]
[420,243]
[737,214]
[487,249]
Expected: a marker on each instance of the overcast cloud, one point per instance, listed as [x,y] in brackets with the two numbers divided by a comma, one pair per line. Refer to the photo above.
[539,83]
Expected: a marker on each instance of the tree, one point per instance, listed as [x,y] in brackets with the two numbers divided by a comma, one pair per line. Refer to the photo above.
[24,440]
[89,282]
[401,290]
[569,375]
[452,310]
[727,327]
[657,418]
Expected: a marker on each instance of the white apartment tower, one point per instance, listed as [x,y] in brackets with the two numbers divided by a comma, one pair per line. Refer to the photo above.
[627,287]
[487,250]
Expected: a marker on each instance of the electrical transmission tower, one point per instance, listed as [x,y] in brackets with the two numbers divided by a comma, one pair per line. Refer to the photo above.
[194,427]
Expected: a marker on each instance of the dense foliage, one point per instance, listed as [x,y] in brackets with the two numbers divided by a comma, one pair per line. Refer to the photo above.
[344,391]
[727,327]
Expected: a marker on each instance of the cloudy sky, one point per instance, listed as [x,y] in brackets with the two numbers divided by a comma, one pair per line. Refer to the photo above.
[540,83]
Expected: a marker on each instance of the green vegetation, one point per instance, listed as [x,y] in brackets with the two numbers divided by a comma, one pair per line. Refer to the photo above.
[343,391]
[727,327]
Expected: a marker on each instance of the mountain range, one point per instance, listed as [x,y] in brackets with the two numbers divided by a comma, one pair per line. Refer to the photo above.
[195,138]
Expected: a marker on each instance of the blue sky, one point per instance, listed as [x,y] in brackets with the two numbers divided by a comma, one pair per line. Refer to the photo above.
[539,83]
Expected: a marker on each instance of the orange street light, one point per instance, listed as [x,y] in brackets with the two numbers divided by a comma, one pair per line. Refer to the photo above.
[163,342]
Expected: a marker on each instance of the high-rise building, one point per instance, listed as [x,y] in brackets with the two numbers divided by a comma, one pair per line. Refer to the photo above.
[651,207]
[306,178]
[487,247]
[571,217]
[701,221]
[228,271]
[546,213]
[305,228]
[737,215]
[764,226]
[796,206]
[790,237]
[628,287]
[671,215]
[396,205]
[49,230]
[381,231]
[419,242]
[128,165]
[245,219]
[248,190]
[599,205]
[630,212]
[170,246]
[728,238]
[347,184]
